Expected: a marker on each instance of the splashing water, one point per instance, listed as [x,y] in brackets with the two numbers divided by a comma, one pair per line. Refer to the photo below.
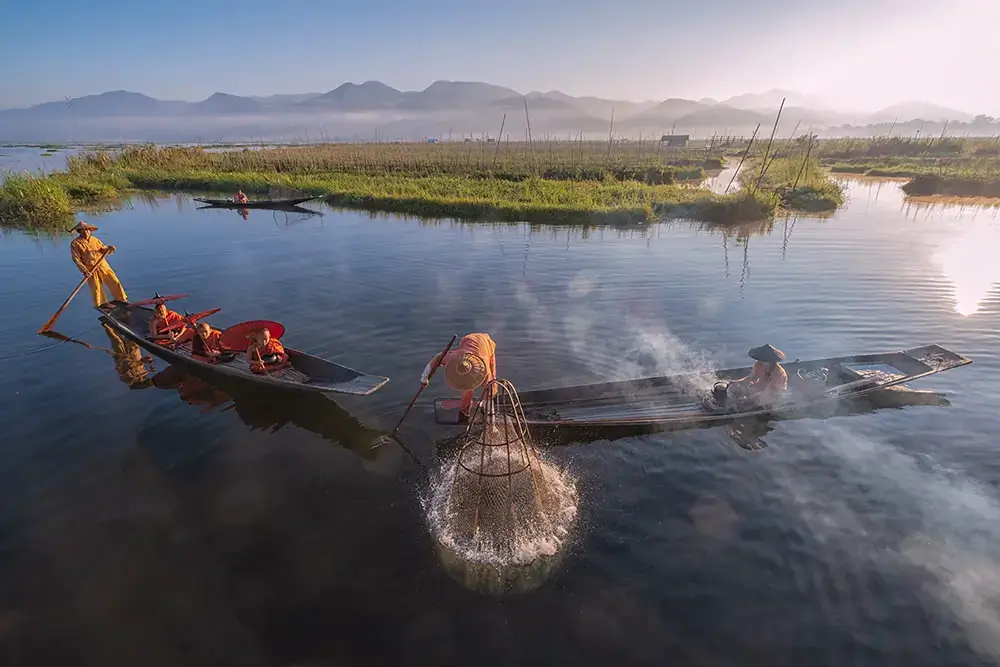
[498,533]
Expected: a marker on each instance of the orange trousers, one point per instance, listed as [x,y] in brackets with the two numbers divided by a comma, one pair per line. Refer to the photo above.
[104,277]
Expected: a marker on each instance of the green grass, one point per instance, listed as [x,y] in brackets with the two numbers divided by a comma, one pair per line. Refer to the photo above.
[525,185]
[799,184]
[954,185]
[34,202]
[935,165]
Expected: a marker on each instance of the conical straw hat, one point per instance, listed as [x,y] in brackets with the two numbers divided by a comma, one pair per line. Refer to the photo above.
[766,353]
[465,372]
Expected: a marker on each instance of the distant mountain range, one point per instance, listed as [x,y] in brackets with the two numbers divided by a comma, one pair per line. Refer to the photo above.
[465,107]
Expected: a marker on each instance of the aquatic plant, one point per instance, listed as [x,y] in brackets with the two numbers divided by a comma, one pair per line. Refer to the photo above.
[800,183]
[33,201]
[955,185]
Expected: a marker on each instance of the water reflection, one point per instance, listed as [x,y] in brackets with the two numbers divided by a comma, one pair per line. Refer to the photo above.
[969,261]
[132,367]
[269,410]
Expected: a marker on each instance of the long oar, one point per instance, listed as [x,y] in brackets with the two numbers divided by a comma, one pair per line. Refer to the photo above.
[440,360]
[48,325]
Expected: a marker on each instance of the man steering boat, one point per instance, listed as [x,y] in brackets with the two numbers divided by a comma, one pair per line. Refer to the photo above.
[766,383]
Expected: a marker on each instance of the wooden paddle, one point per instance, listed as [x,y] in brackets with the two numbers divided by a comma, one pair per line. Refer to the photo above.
[440,360]
[48,325]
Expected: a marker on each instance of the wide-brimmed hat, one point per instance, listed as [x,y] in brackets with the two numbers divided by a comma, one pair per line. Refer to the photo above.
[81,225]
[767,353]
[465,372]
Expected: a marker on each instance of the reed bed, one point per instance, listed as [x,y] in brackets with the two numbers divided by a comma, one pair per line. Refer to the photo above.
[568,183]
[950,166]
[800,182]
[517,161]
[33,201]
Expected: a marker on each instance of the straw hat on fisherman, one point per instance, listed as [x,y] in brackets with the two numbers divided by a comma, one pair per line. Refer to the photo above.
[465,372]
[82,226]
[767,354]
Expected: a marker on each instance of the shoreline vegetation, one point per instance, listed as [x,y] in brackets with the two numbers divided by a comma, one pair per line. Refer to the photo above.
[579,182]
[946,166]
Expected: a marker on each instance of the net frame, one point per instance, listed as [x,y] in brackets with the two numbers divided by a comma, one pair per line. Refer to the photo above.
[500,405]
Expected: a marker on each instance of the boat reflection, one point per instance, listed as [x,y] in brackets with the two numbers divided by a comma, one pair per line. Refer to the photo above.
[270,410]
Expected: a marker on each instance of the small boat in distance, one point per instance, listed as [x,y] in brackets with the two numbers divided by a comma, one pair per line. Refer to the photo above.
[262,203]
[304,372]
[686,401]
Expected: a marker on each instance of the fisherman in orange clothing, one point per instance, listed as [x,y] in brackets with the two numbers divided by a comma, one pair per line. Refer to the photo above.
[240,198]
[265,352]
[85,249]
[163,318]
[466,368]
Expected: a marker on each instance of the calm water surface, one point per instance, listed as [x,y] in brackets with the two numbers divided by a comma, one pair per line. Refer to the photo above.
[162,527]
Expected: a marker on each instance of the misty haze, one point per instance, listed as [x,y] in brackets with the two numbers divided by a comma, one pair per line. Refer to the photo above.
[457,334]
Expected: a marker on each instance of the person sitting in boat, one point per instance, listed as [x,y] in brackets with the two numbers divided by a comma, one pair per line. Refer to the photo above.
[240,198]
[162,318]
[265,352]
[767,381]
[470,366]
[207,343]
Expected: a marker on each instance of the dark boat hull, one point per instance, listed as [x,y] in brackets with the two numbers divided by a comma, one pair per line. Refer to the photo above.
[305,373]
[815,387]
[273,203]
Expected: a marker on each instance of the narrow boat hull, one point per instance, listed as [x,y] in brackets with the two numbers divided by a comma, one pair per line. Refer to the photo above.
[271,203]
[817,387]
[305,372]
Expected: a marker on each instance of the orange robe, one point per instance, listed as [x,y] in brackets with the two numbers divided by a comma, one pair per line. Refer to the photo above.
[273,346]
[213,342]
[156,325]
[85,253]
[481,345]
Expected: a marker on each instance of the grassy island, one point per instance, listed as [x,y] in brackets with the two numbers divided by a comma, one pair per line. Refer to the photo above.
[549,182]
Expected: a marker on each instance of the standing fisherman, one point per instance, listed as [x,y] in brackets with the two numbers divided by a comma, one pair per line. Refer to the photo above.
[470,366]
[85,249]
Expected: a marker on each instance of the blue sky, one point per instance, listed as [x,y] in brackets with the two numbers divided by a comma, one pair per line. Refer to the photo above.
[632,49]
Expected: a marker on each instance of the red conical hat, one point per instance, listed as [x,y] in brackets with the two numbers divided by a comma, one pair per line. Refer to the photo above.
[235,337]
[160,299]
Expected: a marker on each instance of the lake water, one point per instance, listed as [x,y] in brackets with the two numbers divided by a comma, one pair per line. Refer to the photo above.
[137,527]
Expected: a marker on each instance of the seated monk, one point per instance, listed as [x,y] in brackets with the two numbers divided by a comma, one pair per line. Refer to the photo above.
[470,366]
[265,352]
[767,381]
[163,318]
[240,198]
[207,343]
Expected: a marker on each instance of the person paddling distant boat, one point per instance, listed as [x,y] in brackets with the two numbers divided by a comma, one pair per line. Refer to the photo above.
[239,198]
[85,250]
[470,366]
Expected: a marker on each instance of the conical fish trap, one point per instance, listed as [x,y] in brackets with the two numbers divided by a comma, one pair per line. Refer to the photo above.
[499,496]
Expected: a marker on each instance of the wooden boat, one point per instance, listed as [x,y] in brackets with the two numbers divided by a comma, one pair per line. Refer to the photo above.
[305,373]
[684,401]
[265,203]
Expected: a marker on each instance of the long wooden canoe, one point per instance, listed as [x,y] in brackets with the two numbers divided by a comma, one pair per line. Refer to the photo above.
[265,203]
[306,373]
[679,401]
